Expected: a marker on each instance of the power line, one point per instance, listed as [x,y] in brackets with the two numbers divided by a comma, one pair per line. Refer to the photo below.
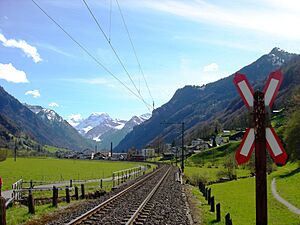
[110,12]
[89,54]
[113,49]
[133,48]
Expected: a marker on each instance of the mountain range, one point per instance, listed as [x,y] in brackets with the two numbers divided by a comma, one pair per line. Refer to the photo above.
[101,128]
[41,125]
[217,104]
[201,108]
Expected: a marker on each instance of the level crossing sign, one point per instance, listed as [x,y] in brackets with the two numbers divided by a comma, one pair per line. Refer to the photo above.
[260,135]
[273,143]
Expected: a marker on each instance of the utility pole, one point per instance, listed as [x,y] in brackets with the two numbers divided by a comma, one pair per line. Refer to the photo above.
[15,151]
[182,143]
[111,149]
[182,147]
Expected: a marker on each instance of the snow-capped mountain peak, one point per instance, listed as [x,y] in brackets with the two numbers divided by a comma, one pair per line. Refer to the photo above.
[146,116]
[45,113]
[94,120]
[104,114]
[99,125]
[278,56]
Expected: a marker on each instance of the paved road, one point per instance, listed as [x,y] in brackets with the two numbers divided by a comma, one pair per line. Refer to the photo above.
[282,200]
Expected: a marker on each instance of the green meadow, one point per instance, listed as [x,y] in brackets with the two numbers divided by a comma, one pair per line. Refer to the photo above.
[51,169]
[237,197]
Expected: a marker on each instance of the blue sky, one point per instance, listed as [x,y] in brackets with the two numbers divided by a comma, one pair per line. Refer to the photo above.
[177,43]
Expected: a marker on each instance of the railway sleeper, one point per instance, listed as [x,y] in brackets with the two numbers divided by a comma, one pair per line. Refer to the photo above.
[87,222]
[93,218]
[140,220]
[143,215]
[97,215]
[138,223]
[132,210]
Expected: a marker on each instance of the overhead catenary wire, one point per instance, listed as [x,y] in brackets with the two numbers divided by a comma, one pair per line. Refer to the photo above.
[133,48]
[90,55]
[110,12]
[113,49]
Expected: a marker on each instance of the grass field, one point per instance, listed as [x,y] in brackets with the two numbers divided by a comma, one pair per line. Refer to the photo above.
[287,183]
[50,169]
[19,214]
[53,149]
[210,174]
[238,197]
[209,164]
[213,156]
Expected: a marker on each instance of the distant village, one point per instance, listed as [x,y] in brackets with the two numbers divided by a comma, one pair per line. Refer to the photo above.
[168,152]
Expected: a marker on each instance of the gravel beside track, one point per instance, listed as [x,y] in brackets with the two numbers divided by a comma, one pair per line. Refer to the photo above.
[73,211]
[168,205]
[122,208]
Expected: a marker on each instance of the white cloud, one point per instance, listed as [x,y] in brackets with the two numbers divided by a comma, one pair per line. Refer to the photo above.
[241,44]
[74,119]
[29,50]
[213,67]
[9,73]
[34,93]
[53,104]
[190,73]
[270,17]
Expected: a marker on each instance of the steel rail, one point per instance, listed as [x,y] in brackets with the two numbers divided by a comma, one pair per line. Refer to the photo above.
[148,198]
[89,213]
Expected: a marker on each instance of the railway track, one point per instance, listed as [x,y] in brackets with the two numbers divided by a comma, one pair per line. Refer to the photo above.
[130,206]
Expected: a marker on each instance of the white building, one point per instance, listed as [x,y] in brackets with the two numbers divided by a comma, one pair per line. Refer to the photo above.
[148,152]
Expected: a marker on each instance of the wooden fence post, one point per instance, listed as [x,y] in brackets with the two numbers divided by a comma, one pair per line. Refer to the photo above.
[212,204]
[208,195]
[31,209]
[54,196]
[113,177]
[68,200]
[228,221]
[101,185]
[82,191]
[2,211]
[76,193]
[71,183]
[218,215]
